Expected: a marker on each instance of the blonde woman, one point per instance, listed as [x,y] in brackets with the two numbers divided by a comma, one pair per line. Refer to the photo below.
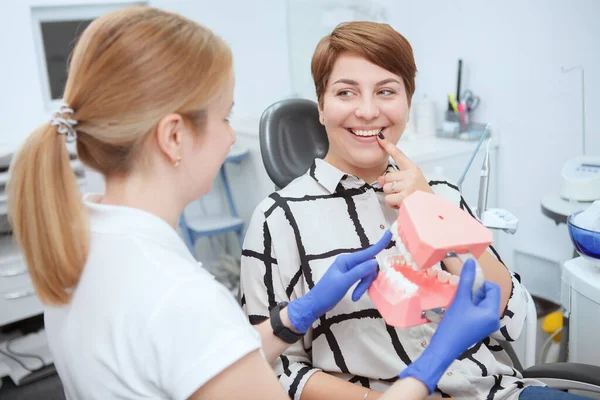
[129,312]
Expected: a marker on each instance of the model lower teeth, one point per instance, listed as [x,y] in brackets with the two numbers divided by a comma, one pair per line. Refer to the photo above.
[434,271]
[405,259]
[443,276]
[400,281]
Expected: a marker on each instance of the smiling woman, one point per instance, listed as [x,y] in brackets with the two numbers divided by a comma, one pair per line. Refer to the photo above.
[364,76]
[362,100]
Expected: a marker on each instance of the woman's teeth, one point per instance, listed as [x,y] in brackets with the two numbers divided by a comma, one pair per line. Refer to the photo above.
[372,132]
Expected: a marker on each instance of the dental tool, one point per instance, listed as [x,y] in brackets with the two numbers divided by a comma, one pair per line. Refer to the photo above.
[484,182]
[484,135]
[493,218]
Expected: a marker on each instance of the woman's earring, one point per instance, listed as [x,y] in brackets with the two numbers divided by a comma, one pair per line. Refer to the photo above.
[177,162]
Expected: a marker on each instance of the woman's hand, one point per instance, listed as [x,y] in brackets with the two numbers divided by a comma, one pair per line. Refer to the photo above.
[469,319]
[345,271]
[472,316]
[398,185]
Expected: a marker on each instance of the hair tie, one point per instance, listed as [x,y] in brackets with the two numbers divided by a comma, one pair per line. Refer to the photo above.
[65,125]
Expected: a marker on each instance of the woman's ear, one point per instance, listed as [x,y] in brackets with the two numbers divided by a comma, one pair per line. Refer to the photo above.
[169,134]
[321,117]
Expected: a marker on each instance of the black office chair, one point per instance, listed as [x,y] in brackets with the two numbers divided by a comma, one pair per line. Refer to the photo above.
[291,137]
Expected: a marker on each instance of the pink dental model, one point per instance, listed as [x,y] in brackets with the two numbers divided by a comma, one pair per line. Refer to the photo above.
[411,288]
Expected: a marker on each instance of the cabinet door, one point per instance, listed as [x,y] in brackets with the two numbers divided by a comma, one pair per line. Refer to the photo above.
[19,303]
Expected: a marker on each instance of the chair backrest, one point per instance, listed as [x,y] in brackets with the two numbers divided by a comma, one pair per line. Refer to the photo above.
[291,137]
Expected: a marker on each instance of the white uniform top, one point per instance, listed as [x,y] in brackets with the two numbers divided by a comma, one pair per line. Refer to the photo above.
[146,320]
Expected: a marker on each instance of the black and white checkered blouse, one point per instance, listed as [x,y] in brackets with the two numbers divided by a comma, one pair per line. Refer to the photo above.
[294,236]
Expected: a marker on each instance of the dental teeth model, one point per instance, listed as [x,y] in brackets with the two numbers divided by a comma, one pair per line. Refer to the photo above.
[412,283]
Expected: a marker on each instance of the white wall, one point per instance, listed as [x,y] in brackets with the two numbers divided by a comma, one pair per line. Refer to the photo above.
[512,54]
[255,31]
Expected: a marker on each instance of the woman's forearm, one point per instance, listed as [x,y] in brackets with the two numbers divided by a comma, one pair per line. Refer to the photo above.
[406,389]
[493,271]
[496,272]
[272,346]
[322,386]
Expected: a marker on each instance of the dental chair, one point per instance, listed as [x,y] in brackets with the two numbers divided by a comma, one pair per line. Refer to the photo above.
[291,137]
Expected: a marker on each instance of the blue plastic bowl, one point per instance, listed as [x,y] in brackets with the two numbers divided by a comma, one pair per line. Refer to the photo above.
[586,242]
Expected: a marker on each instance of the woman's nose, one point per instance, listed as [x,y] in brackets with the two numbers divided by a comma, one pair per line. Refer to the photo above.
[367,109]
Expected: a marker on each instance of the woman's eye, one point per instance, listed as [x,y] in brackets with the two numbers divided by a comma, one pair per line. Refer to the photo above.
[344,93]
[387,92]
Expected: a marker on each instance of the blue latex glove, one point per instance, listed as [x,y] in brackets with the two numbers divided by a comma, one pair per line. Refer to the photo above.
[345,271]
[469,319]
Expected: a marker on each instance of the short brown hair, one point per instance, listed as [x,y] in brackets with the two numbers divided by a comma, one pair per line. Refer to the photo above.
[379,43]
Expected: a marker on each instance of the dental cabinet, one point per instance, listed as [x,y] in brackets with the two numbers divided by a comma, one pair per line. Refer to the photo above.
[580,296]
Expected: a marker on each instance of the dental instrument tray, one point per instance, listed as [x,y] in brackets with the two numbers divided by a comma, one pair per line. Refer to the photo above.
[411,288]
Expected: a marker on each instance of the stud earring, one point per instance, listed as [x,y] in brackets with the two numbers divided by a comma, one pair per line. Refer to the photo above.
[177,162]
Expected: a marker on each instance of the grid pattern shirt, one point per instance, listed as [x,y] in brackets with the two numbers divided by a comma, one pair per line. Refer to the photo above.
[296,233]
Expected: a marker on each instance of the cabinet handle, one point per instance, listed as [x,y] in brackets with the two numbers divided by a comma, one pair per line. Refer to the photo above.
[19,295]
[13,272]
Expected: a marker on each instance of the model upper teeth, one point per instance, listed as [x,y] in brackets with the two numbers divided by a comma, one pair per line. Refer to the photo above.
[371,132]
[401,247]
